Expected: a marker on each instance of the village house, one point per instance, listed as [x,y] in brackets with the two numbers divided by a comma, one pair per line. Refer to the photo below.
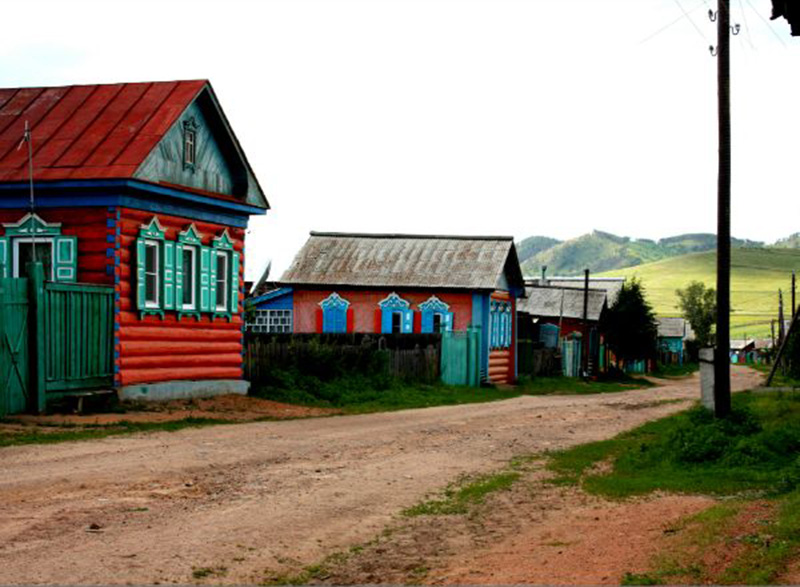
[553,314]
[673,332]
[144,190]
[389,283]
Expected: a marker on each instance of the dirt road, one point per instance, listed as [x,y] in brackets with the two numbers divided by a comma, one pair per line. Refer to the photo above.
[233,503]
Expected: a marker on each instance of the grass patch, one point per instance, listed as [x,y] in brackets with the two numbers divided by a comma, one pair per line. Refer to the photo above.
[357,394]
[460,496]
[668,371]
[752,453]
[692,452]
[50,434]
[577,386]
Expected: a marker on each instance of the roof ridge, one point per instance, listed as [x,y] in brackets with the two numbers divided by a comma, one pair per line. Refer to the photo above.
[165,81]
[389,235]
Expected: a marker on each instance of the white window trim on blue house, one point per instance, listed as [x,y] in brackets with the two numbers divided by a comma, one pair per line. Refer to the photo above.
[334,313]
[394,304]
[432,307]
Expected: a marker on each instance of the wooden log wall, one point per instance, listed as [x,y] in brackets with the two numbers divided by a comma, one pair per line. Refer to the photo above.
[152,349]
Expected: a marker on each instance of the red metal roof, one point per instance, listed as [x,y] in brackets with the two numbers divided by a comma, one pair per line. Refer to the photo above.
[88,132]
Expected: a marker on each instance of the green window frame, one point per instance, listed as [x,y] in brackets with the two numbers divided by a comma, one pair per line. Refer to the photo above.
[31,228]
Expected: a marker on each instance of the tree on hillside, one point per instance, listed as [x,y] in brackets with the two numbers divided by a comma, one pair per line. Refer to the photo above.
[698,304]
[630,324]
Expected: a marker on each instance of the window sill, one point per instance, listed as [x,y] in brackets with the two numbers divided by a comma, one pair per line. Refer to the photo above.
[189,314]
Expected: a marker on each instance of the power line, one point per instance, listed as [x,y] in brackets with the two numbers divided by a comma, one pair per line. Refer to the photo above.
[769,26]
[686,14]
[674,22]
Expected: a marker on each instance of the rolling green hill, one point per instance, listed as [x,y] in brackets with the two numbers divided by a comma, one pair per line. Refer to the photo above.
[602,251]
[756,276]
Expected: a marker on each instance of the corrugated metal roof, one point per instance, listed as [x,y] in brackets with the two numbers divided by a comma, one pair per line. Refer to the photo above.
[88,132]
[402,260]
[567,302]
[612,285]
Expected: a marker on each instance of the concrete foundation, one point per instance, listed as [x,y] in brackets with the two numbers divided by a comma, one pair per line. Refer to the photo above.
[168,390]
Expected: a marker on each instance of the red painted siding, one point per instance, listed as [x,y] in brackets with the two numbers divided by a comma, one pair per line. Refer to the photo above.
[151,349]
[90,225]
[364,305]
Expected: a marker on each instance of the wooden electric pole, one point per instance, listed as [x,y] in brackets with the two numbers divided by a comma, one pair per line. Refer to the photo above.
[722,367]
[794,293]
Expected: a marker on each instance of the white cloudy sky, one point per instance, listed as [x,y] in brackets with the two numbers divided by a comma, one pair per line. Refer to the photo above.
[512,117]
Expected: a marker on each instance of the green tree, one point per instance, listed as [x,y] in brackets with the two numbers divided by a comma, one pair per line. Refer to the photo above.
[698,304]
[630,325]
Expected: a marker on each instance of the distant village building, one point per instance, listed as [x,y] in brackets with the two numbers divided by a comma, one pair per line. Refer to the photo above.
[673,332]
[394,283]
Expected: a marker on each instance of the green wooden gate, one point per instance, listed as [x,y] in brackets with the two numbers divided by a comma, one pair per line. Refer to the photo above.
[14,359]
[79,337]
[461,357]
[55,339]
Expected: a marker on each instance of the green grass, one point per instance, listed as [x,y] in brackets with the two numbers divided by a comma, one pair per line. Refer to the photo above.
[43,434]
[667,371]
[354,395]
[577,386]
[756,276]
[459,497]
[752,454]
[692,452]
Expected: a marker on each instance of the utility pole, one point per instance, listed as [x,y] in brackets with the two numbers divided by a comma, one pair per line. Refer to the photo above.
[585,358]
[781,319]
[794,288]
[722,366]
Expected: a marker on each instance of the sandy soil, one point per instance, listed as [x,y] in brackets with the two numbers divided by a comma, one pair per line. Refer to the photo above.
[239,408]
[243,502]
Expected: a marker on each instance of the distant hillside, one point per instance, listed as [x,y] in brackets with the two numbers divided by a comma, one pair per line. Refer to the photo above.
[532,245]
[603,251]
[790,242]
[756,276]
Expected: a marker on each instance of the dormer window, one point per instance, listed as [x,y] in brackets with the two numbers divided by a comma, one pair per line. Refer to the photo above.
[189,144]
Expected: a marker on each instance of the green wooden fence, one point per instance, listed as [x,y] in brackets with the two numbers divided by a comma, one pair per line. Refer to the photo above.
[14,355]
[79,337]
[55,339]
[461,357]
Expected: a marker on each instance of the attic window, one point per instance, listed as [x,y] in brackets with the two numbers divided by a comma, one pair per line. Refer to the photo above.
[189,144]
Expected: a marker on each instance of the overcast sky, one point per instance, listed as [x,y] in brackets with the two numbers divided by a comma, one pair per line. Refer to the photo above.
[530,117]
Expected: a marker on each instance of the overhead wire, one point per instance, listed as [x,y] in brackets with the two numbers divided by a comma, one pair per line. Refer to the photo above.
[766,23]
[673,22]
[689,18]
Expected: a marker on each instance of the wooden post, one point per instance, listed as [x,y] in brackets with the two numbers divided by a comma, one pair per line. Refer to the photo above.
[781,319]
[794,289]
[36,334]
[722,364]
[585,353]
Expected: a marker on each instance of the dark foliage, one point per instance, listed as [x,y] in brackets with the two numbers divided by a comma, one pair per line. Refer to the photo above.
[630,324]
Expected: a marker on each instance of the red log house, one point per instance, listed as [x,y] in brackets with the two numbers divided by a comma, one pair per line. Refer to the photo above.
[145,188]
